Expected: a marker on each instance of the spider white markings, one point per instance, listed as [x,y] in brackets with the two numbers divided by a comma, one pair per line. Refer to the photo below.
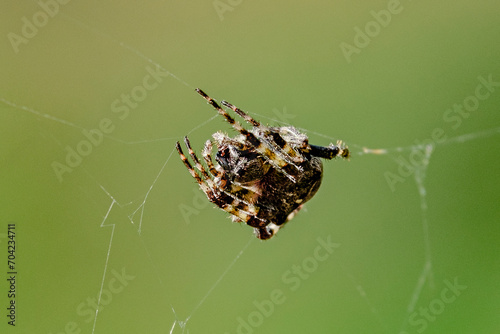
[263,176]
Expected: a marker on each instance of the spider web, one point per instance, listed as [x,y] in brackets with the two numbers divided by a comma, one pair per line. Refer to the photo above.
[133,210]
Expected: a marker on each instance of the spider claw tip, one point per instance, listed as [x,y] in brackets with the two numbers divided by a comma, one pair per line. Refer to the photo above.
[202,93]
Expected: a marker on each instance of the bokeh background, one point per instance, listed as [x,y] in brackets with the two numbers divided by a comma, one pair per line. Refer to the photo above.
[127,227]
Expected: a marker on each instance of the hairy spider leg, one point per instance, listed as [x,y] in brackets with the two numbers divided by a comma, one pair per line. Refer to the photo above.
[198,164]
[207,155]
[247,195]
[344,151]
[241,113]
[324,152]
[206,189]
[331,151]
[246,212]
[282,144]
[265,150]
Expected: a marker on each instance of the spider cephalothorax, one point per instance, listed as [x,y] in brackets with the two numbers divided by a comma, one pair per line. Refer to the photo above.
[263,176]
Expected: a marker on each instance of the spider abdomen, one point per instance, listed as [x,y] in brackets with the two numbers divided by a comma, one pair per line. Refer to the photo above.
[283,196]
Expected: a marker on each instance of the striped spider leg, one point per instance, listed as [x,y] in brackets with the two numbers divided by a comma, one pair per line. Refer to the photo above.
[216,193]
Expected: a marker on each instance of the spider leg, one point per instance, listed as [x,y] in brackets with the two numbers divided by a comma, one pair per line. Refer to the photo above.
[221,178]
[241,113]
[276,137]
[206,189]
[263,148]
[243,210]
[331,151]
[223,184]
[208,159]
[198,164]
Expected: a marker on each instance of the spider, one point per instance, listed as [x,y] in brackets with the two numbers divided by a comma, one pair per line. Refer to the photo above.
[263,176]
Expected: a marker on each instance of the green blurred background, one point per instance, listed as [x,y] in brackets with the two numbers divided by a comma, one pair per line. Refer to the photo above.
[182,264]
